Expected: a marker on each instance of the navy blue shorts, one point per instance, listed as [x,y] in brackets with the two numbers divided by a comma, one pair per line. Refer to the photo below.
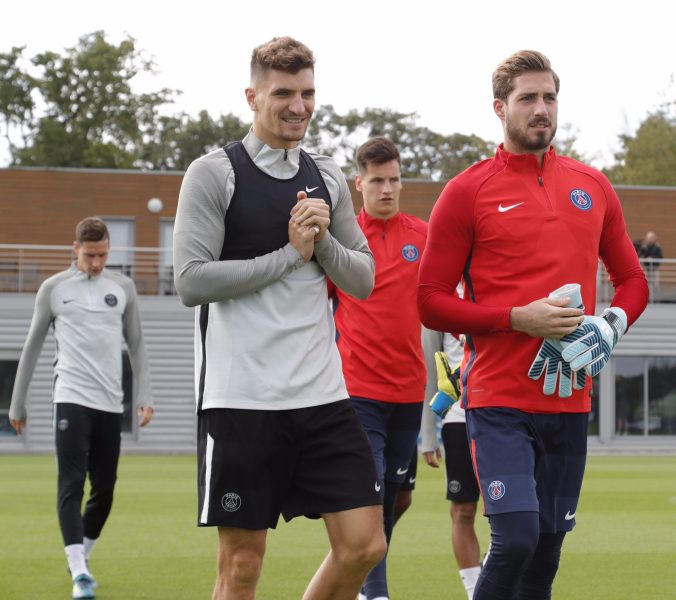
[408,485]
[529,462]
[392,429]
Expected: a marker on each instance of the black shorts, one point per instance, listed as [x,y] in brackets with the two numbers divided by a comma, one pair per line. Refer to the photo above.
[461,484]
[408,485]
[254,465]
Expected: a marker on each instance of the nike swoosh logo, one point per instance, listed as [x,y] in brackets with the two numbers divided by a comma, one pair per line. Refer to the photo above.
[401,471]
[569,517]
[510,207]
[67,301]
[377,487]
[310,190]
[411,479]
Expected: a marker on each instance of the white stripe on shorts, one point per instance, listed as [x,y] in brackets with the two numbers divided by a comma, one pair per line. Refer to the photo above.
[208,455]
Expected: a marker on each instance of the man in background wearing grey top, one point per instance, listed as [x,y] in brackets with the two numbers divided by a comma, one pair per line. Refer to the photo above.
[91,309]
[260,225]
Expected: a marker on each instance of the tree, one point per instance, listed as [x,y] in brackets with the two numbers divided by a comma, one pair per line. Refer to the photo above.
[565,143]
[649,156]
[424,153]
[16,102]
[91,117]
[173,142]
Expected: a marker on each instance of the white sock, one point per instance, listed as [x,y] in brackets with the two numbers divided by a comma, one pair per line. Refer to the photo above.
[88,546]
[381,598]
[76,560]
[469,578]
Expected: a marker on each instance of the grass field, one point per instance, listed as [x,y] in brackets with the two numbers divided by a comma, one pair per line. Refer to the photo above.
[624,545]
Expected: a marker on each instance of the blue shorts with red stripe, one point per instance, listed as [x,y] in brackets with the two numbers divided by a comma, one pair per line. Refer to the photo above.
[529,462]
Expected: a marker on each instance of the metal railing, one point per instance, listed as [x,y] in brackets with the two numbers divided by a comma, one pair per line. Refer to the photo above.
[661,276]
[24,267]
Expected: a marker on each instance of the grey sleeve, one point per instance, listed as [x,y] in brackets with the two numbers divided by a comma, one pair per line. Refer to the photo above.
[432,341]
[428,429]
[133,335]
[200,277]
[42,318]
[344,253]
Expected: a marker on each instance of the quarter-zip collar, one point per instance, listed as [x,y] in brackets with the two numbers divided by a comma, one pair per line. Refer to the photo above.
[381,226]
[81,274]
[282,163]
[526,163]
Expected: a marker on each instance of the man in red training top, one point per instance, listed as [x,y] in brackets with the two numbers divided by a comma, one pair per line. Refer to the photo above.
[380,338]
[515,228]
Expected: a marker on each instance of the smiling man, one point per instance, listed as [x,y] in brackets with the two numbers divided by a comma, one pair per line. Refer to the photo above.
[516,228]
[260,225]
[379,338]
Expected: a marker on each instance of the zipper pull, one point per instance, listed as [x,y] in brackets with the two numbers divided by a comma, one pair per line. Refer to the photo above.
[286,153]
[540,180]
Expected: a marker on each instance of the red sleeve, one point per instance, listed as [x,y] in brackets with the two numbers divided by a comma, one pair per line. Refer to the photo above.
[449,244]
[621,261]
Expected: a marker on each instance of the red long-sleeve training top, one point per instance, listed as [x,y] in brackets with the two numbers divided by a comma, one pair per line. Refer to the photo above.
[515,230]
[379,338]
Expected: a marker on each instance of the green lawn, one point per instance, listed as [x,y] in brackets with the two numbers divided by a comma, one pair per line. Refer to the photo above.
[624,545]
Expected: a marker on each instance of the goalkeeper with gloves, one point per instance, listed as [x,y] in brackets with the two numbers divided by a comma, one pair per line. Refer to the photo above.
[516,228]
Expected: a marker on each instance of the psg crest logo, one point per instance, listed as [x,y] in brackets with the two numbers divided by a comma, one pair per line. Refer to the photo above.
[231,502]
[111,299]
[496,490]
[581,199]
[410,252]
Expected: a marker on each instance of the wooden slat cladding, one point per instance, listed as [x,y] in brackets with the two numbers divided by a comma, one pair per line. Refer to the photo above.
[42,206]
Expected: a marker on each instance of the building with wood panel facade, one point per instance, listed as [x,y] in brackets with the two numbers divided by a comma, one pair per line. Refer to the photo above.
[42,205]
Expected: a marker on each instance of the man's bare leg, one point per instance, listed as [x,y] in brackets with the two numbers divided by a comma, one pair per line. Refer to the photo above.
[240,558]
[463,535]
[357,543]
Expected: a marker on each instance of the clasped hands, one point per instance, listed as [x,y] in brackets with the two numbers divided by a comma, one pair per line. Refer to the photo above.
[309,222]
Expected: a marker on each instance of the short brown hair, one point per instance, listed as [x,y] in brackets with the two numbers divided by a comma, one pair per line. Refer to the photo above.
[91,229]
[378,150]
[282,54]
[520,62]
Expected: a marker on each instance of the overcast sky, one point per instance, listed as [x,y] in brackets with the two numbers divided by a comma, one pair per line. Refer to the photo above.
[615,59]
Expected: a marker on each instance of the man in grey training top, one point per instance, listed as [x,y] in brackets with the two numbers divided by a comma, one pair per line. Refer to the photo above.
[91,310]
[259,227]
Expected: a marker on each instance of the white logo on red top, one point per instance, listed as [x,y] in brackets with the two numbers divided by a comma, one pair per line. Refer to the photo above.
[503,209]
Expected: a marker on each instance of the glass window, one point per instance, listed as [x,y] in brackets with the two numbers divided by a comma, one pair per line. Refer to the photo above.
[166,262]
[7,375]
[629,397]
[593,423]
[662,395]
[127,389]
[122,239]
